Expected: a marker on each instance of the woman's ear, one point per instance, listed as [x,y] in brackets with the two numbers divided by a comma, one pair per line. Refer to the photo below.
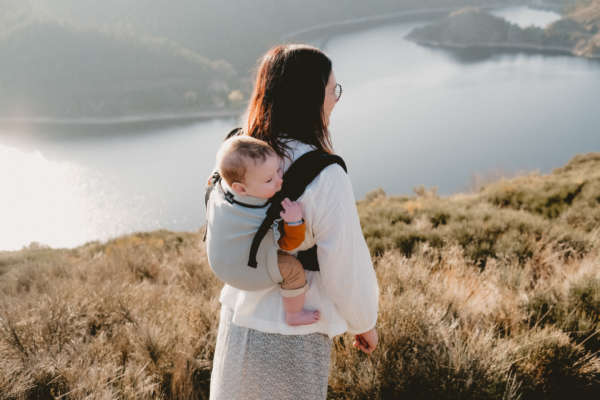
[239,188]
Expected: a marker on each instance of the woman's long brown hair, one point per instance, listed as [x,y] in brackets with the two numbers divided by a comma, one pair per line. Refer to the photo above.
[287,101]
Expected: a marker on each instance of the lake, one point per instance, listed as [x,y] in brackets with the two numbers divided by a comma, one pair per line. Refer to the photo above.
[409,115]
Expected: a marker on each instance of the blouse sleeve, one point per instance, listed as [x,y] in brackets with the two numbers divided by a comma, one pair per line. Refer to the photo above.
[345,263]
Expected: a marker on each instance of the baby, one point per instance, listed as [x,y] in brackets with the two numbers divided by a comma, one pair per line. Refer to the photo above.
[252,170]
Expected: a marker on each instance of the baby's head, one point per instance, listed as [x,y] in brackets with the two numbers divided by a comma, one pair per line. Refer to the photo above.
[250,167]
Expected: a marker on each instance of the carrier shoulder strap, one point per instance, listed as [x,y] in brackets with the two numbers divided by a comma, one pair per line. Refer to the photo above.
[295,180]
[233,132]
[214,179]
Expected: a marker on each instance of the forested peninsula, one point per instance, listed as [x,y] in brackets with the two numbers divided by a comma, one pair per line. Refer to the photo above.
[577,33]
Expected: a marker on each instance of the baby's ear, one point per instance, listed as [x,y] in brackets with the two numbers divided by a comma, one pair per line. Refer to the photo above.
[238,187]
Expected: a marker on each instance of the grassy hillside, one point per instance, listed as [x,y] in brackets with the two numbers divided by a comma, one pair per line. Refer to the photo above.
[507,220]
[493,294]
[588,14]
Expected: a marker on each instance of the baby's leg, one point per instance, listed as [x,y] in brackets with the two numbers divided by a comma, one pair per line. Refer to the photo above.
[293,289]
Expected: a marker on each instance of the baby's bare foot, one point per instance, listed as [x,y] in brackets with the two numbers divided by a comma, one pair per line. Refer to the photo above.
[303,317]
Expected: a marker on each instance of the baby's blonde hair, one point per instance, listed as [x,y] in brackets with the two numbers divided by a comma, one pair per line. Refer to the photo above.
[235,154]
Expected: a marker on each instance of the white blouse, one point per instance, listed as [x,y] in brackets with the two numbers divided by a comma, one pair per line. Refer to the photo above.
[345,290]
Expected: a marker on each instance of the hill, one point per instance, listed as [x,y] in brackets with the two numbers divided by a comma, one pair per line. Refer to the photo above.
[237,31]
[68,71]
[575,34]
[82,58]
[484,295]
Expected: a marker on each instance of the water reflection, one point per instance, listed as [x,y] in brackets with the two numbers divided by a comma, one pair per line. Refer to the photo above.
[526,16]
[475,55]
[54,202]
[74,187]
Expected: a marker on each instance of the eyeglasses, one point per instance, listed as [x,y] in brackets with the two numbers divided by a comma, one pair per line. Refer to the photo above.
[338,91]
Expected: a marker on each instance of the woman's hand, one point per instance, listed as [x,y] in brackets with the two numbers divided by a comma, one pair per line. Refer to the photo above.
[292,211]
[367,342]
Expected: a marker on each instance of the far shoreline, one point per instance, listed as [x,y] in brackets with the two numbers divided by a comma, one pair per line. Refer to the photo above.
[126,119]
[520,47]
[321,32]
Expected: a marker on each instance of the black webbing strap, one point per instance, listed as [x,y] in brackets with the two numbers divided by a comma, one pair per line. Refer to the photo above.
[295,180]
[214,179]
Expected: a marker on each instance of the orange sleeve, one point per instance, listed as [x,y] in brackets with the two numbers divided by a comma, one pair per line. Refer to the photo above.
[293,236]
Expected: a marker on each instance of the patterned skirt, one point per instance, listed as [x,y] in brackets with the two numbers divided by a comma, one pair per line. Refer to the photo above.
[253,365]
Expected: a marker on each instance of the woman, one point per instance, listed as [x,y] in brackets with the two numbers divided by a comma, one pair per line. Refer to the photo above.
[259,356]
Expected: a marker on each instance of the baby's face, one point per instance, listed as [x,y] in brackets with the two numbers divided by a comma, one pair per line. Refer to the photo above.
[264,180]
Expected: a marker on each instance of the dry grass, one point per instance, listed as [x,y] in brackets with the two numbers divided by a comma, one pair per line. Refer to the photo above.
[449,331]
[489,295]
[587,13]
[134,318]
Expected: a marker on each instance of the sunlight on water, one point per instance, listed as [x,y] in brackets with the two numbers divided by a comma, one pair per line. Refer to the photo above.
[66,188]
[42,199]
[525,16]
[59,204]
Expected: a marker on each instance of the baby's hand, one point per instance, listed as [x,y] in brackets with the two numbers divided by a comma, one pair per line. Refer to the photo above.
[292,210]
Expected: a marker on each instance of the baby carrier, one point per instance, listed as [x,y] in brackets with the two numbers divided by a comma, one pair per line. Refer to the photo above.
[295,180]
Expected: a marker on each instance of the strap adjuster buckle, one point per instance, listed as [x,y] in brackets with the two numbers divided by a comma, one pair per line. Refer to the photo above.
[229,197]
[215,177]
